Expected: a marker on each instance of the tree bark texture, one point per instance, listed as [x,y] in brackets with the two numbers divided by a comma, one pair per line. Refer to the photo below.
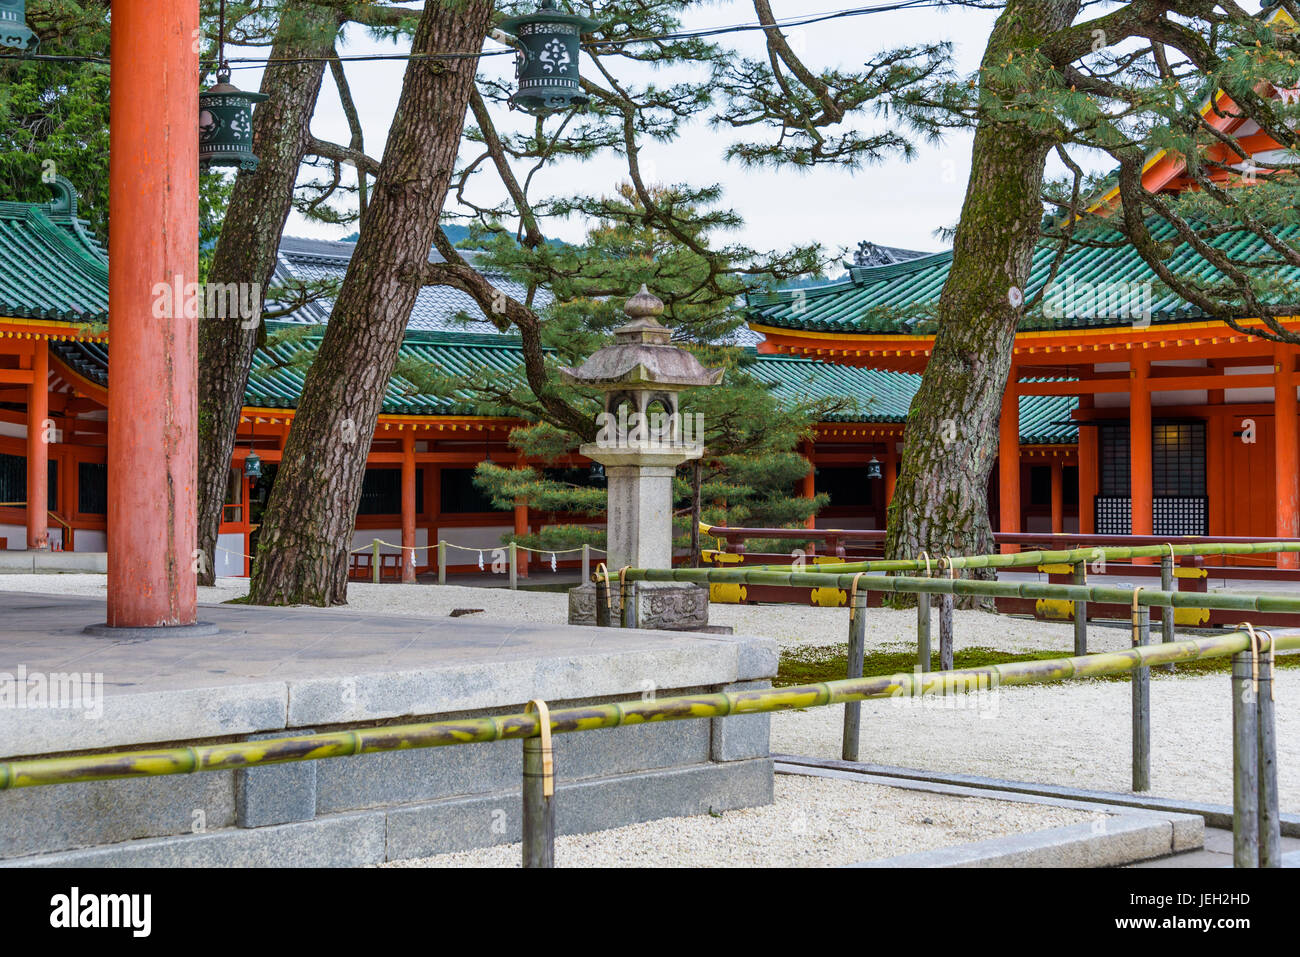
[246,250]
[940,502]
[307,530]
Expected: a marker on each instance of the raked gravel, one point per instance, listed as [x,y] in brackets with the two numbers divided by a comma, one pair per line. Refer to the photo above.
[1076,734]
[815,822]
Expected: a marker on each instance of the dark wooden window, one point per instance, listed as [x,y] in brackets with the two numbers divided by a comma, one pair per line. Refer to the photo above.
[459,495]
[1114,449]
[1040,485]
[381,492]
[13,480]
[92,488]
[847,487]
[1178,459]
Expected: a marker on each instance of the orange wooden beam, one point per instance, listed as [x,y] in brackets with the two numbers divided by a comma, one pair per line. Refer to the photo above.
[1286,453]
[1009,459]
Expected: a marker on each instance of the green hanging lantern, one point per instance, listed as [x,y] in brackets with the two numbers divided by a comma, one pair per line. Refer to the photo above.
[226,125]
[14,31]
[547,68]
[226,115]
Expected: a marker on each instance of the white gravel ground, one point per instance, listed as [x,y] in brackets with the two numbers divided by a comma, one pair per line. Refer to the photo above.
[815,822]
[1077,734]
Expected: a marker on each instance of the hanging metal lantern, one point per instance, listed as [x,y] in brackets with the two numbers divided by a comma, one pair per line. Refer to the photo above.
[547,67]
[873,469]
[226,124]
[253,466]
[14,31]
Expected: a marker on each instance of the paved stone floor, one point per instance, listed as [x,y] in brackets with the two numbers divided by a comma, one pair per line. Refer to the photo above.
[1216,853]
[295,667]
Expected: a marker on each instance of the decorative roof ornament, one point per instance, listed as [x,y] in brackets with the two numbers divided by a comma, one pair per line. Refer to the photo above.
[226,115]
[547,66]
[14,31]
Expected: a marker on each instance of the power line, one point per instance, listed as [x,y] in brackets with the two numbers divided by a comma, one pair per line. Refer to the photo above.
[250,63]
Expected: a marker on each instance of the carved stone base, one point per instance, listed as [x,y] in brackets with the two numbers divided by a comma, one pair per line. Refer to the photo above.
[661,606]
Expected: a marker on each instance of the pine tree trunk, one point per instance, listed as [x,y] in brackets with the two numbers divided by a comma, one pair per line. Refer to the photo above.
[307,530]
[940,502]
[246,250]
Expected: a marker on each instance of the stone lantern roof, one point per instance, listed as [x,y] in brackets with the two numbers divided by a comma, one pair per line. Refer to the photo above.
[642,355]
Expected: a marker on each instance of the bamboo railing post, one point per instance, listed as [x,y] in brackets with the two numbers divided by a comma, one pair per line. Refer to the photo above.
[1081,611]
[923,631]
[857,652]
[946,604]
[1270,822]
[602,604]
[1167,614]
[374,560]
[1245,764]
[442,563]
[1141,703]
[586,563]
[627,600]
[539,809]
[514,566]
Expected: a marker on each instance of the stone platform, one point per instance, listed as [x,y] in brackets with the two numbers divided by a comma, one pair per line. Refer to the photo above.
[272,672]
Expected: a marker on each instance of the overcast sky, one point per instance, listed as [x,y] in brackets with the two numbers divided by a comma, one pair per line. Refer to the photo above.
[894,203]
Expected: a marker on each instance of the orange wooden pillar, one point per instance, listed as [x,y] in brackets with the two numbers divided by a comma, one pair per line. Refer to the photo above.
[521,529]
[38,449]
[408,507]
[891,472]
[153,208]
[1286,454]
[1216,464]
[1058,499]
[1009,459]
[810,482]
[1089,472]
[1140,446]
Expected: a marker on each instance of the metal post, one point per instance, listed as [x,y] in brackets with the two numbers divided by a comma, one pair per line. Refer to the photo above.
[1167,614]
[586,563]
[442,563]
[1141,704]
[539,809]
[1270,823]
[923,632]
[374,560]
[514,566]
[1081,611]
[857,651]
[1245,764]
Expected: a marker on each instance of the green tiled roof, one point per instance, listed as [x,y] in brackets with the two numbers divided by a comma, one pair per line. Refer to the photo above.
[50,266]
[882,396]
[897,299]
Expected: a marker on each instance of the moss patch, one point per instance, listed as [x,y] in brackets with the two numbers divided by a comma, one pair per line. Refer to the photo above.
[801,666]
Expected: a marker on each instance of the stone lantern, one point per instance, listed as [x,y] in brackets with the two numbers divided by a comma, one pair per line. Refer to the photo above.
[643,437]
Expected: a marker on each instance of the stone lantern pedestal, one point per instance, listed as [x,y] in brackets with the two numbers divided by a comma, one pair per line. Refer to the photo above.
[641,443]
